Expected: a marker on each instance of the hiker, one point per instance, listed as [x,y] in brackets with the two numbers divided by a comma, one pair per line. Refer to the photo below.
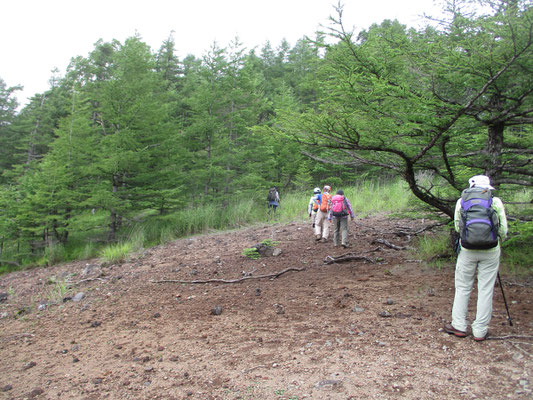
[273,199]
[481,222]
[321,220]
[340,209]
[314,205]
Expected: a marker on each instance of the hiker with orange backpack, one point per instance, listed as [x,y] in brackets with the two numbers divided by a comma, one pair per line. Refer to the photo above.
[321,221]
[340,209]
[314,205]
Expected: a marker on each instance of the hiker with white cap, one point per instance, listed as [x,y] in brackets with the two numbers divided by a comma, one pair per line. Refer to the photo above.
[321,221]
[481,222]
[314,205]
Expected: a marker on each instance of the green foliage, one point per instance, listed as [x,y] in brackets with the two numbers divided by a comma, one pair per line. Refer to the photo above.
[434,249]
[251,253]
[517,251]
[140,147]
[59,288]
[116,253]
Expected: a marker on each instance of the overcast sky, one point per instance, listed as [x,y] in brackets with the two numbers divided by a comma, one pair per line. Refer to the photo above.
[37,36]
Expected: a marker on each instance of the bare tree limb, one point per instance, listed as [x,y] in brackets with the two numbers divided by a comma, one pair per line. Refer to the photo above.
[347,257]
[196,282]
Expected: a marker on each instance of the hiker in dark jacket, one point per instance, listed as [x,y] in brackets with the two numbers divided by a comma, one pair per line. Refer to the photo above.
[485,261]
[273,199]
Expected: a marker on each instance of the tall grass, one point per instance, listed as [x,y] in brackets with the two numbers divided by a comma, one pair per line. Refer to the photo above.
[367,197]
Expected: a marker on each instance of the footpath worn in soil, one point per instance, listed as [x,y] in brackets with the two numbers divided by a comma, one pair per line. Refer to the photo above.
[352,330]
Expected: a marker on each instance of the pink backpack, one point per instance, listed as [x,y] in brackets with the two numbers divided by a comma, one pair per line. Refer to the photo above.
[338,206]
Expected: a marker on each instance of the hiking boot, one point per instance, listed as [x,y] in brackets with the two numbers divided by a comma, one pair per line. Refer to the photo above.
[345,245]
[317,238]
[481,339]
[448,328]
[324,240]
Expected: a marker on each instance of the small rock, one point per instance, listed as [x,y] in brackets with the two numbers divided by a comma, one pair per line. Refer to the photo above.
[3,315]
[75,359]
[98,381]
[328,382]
[276,252]
[67,298]
[79,297]
[217,310]
[430,292]
[3,296]
[258,292]
[35,392]
[31,364]
[42,306]
[95,324]
[390,302]
[6,388]
[157,315]
[280,309]
[385,314]
[358,309]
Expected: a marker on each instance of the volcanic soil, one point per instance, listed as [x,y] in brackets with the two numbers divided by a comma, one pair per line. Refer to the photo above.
[195,319]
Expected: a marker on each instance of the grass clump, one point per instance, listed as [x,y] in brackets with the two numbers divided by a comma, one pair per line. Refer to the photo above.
[116,253]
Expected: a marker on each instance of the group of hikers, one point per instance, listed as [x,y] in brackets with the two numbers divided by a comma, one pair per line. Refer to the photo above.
[481,223]
[325,209]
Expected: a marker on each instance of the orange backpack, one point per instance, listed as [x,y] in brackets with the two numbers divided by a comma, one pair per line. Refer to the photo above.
[325,203]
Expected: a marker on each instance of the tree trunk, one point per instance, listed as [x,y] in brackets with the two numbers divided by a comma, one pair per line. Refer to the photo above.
[494,151]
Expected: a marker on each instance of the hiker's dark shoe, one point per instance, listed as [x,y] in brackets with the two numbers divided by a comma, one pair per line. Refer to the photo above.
[324,240]
[481,339]
[317,238]
[448,328]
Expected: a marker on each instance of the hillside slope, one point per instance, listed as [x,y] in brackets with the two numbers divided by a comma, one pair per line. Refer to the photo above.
[366,328]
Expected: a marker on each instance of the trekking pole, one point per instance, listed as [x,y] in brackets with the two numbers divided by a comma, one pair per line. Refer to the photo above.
[505,301]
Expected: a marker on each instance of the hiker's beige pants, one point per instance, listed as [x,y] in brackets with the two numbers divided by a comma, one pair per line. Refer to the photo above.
[322,224]
[486,263]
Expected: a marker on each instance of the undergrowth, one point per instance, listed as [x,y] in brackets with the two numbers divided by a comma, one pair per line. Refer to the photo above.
[367,197]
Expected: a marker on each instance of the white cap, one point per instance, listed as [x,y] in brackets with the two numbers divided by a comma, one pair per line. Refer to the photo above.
[480,181]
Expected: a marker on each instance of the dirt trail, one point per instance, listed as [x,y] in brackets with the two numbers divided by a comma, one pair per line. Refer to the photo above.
[351,330]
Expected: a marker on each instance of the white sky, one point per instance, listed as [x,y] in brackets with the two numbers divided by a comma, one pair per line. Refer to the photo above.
[40,35]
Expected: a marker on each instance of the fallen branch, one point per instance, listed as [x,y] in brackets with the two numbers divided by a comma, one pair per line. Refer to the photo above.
[347,257]
[388,244]
[248,370]
[509,337]
[407,233]
[16,264]
[276,275]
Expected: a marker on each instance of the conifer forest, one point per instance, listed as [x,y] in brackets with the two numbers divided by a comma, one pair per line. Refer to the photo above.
[131,133]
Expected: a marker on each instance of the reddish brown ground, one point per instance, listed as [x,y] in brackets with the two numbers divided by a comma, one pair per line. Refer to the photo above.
[298,336]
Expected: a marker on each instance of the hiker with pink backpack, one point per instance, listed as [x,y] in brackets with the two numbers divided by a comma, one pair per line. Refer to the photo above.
[340,209]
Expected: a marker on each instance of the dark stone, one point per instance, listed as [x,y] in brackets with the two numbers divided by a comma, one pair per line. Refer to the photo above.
[35,392]
[3,297]
[6,388]
[217,310]
[31,364]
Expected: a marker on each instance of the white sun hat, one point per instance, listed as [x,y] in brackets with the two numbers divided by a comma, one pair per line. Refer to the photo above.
[480,181]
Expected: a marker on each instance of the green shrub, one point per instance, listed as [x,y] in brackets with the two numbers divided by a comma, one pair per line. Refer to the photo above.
[116,253]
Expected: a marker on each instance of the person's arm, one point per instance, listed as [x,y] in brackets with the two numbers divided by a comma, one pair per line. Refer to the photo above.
[457,215]
[497,205]
[310,206]
[350,209]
